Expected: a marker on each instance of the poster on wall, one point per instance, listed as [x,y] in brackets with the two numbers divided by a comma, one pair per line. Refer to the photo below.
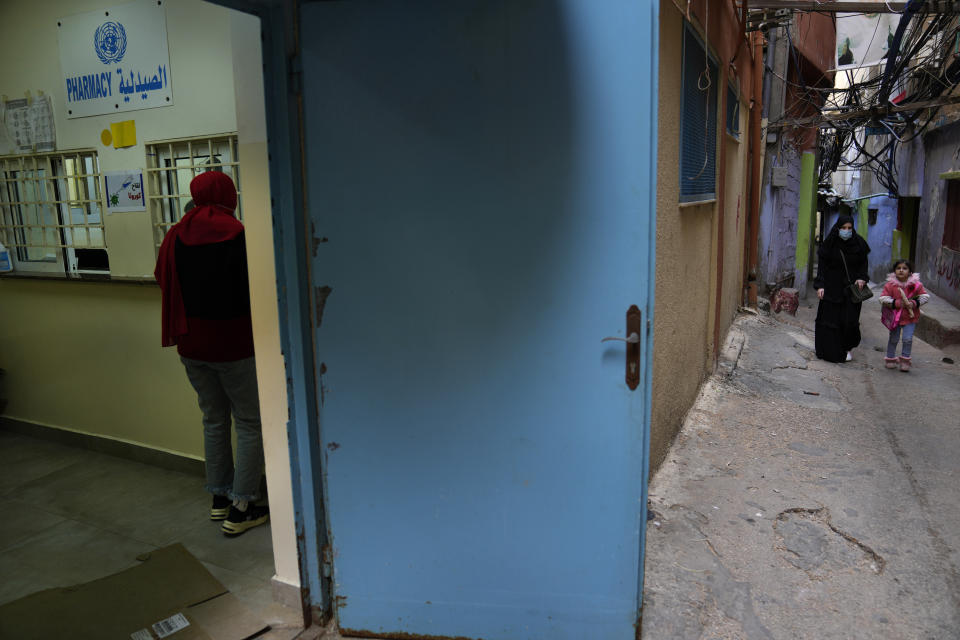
[124,191]
[864,38]
[27,125]
[115,59]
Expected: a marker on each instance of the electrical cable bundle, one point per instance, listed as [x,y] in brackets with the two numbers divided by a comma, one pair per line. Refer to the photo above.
[864,124]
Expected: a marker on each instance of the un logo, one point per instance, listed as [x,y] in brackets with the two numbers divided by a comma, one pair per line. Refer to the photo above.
[110,42]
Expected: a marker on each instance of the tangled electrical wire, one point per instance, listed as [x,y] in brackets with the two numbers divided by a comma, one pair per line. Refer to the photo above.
[862,126]
[867,125]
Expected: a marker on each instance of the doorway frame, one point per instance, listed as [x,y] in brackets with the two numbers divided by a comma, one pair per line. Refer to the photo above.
[282,90]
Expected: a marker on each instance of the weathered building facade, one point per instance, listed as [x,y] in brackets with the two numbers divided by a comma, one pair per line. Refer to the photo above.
[937,231]
[798,56]
[703,242]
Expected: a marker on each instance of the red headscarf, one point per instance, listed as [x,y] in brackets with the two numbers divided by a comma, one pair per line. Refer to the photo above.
[210,221]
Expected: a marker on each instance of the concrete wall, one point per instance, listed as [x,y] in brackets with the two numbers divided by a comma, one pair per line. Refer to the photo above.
[939,267]
[880,236]
[86,356]
[778,217]
[910,164]
[693,265]
[813,36]
[736,203]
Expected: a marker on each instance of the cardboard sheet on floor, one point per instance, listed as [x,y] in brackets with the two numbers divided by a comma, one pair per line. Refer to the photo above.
[150,601]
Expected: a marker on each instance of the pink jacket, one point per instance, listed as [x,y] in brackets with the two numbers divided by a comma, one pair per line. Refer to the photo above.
[914,290]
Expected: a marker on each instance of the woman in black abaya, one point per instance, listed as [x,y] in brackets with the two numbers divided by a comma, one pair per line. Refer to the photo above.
[838,319]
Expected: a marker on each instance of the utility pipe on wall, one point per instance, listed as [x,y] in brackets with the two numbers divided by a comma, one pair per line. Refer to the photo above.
[719,208]
[756,159]
[768,62]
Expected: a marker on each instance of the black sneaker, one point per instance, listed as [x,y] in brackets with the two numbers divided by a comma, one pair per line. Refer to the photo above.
[239,521]
[220,508]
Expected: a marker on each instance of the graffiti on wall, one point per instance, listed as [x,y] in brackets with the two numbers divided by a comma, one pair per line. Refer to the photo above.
[948,267]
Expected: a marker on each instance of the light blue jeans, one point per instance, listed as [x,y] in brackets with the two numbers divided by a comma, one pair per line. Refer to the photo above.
[225,388]
[908,330]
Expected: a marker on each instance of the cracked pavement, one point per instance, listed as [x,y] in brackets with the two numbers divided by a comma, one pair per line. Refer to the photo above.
[804,499]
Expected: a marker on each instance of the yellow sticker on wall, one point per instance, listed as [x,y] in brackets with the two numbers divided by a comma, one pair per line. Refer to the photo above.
[106,137]
[124,133]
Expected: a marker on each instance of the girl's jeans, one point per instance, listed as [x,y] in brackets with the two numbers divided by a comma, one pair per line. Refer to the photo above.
[907,330]
[225,388]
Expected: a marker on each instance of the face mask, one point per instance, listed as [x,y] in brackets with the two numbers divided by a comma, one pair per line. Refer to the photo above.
[846,234]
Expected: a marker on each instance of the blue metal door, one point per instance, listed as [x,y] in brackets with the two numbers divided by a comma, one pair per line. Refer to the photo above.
[480,188]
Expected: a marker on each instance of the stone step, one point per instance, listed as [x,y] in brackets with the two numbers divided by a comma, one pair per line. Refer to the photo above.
[939,323]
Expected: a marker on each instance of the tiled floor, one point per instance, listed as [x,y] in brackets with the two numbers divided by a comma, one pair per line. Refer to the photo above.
[70,515]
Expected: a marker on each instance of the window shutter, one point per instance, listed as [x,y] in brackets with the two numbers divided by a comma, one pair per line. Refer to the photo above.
[698,127]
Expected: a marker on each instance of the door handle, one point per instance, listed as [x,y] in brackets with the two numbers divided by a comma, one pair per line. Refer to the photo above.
[633,338]
[634,327]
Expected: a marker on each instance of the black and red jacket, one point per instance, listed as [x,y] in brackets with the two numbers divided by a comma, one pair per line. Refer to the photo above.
[202,272]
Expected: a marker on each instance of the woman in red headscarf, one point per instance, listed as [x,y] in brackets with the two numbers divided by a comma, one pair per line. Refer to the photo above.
[202,272]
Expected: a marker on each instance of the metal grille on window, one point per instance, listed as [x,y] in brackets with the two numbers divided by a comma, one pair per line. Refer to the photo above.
[172,164]
[51,211]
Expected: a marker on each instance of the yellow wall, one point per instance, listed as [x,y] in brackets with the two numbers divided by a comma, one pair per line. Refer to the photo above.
[87,356]
[687,246]
[736,203]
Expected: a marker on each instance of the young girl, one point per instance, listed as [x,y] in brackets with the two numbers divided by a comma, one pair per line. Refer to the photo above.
[901,299]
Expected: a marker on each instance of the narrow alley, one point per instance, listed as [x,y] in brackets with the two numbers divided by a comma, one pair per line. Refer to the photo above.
[804,499]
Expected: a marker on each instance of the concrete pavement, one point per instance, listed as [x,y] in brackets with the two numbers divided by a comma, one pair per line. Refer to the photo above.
[804,499]
[940,322]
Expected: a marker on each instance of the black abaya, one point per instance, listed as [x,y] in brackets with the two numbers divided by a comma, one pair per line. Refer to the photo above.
[837,329]
[838,319]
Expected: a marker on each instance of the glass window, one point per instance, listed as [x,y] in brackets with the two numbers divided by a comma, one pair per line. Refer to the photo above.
[50,207]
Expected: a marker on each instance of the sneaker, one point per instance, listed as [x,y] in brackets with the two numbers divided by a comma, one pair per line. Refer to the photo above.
[904,364]
[240,521]
[890,363]
[220,508]
[849,356]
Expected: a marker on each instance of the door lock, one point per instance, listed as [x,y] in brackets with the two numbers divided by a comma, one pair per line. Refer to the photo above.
[634,326]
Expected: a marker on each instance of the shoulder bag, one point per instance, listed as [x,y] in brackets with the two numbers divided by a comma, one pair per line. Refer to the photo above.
[855,293]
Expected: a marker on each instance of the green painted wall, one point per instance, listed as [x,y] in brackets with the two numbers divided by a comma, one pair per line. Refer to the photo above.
[902,241]
[898,243]
[863,216]
[806,215]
